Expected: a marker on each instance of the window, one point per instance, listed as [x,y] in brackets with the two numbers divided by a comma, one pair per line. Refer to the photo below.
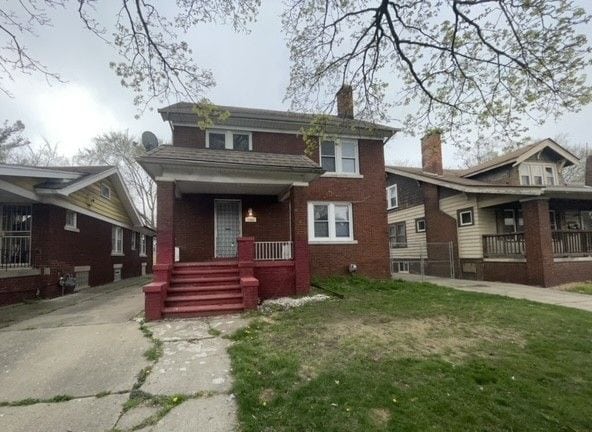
[229,140]
[420,225]
[330,222]
[142,245]
[340,156]
[71,220]
[117,240]
[392,197]
[537,174]
[134,235]
[553,220]
[398,235]
[465,217]
[509,221]
[105,191]
[403,267]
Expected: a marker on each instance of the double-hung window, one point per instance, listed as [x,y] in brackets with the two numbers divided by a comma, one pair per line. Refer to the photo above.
[398,235]
[330,222]
[116,240]
[71,221]
[134,236]
[229,140]
[142,245]
[537,174]
[392,197]
[340,156]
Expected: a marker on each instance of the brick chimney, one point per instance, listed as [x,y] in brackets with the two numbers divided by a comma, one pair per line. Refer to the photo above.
[431,153]
[588,179]
[345,102]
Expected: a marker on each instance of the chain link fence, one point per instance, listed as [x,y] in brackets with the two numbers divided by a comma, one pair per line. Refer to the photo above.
[435,259]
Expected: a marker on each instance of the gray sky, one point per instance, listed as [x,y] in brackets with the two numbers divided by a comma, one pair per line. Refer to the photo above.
[251,70]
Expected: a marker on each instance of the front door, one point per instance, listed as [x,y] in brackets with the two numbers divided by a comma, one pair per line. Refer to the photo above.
[227,214]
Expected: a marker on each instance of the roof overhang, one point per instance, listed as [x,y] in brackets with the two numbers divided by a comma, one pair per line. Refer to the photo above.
[228,178]
[36,172]
[548,143]
[476,189]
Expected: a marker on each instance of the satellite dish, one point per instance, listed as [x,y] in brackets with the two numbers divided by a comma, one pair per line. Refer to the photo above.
[149,140]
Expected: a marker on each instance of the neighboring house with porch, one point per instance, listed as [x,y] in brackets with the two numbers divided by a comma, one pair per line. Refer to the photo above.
[70,220]
[512,218]
[249,216]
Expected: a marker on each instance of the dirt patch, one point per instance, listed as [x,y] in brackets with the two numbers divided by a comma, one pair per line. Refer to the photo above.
[416,337]
[266,396]
[379,417]
[307,372]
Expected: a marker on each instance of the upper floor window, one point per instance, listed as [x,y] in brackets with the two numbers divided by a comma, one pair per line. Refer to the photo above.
[392,197]
[229,140]
[537,174]
[105,191]
[340,156]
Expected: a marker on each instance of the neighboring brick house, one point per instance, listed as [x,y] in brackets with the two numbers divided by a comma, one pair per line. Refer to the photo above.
[512,218]
[57,221]
[251,217]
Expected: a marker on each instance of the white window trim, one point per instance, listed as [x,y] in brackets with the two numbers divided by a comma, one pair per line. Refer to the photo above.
[332,239]
[101,185]
[69,227]
[114,251]
[388,196]
[460,221]
[528,166]
[134,241]
[143,245]
[417,221]
[228,137]
[338,159]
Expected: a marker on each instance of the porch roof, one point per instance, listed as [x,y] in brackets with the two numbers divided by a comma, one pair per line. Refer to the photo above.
[227,171]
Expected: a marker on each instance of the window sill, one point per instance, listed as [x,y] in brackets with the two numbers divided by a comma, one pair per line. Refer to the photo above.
[332,242]
[342,175]
[143,256]
[392,208]
[71,228]
[117,254]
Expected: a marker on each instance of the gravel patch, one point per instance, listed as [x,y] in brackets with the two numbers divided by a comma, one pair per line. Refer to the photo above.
[284,303]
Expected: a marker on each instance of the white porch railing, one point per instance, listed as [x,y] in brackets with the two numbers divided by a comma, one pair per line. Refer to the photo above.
[273,251]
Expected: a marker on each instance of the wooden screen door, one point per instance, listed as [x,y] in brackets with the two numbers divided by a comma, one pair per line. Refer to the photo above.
[227,217]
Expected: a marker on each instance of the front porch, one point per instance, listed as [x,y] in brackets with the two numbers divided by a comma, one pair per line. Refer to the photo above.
[229,235]
[542,242]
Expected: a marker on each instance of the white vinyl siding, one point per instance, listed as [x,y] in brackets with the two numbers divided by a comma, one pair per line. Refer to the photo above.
[470,237]
[415,240]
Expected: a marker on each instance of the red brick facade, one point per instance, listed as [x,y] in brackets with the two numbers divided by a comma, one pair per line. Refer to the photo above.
[194,214]
[58,251]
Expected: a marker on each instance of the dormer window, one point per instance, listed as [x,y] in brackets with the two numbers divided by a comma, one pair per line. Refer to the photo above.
[537,174]
[229,140]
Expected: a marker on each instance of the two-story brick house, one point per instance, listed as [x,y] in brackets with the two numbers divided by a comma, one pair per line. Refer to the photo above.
[250,216]
[512,218]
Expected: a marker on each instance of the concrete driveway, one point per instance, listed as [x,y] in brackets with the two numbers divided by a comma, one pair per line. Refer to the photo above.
[536,294]
[77,363]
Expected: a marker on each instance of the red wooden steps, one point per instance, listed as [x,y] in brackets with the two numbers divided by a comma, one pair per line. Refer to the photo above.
[205,288]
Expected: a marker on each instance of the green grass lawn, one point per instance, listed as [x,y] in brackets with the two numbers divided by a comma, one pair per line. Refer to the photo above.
[400,356]
[582,289]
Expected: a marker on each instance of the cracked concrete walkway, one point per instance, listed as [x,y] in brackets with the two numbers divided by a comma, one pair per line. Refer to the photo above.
[87,350]
[526,292]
